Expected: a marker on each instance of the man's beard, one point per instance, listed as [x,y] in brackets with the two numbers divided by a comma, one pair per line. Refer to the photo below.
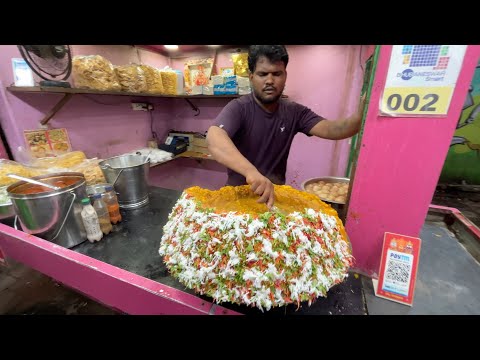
[266,101]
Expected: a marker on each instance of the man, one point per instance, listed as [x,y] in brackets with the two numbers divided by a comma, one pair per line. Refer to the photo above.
[252,135]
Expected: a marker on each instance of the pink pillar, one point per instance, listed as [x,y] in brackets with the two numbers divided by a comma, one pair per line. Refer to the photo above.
[3,152]
[398,167]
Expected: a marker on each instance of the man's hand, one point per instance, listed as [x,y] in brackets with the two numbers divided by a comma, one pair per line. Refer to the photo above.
[342,128]
[225,152]
[261,186]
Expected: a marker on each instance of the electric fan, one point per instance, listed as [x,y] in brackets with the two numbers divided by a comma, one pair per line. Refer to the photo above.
[53,63]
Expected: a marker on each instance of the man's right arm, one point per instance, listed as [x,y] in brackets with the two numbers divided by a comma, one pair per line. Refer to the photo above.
[226,153]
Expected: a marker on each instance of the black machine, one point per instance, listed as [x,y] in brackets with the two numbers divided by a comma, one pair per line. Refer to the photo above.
[175,144]
[53,63]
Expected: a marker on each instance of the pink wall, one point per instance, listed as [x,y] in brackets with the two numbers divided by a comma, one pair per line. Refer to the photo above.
[183,173]
[101,126]
[398,167]
[104,126]
[3,152]
[318,77]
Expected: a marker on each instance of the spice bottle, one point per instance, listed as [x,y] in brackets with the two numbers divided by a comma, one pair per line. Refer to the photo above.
[110,199]
[102,212]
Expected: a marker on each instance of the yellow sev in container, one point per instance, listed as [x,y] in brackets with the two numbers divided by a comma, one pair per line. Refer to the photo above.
[226,245]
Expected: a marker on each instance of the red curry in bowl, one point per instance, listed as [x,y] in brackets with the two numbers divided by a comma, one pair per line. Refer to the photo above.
[28,189]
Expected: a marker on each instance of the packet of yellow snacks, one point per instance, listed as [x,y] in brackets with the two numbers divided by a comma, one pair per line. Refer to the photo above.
[240,63]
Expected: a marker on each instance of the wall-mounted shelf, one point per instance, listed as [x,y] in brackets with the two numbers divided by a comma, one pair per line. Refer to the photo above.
[60,90]
[69,92]
[188,155]
[194,155]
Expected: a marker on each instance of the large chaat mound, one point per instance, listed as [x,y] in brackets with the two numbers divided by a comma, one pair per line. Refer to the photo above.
[226,245]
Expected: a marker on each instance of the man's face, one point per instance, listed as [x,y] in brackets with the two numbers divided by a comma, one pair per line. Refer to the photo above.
[268,80]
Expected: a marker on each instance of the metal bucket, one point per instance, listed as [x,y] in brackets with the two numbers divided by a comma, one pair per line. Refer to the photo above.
[6,206]
[129,176]
[52,215]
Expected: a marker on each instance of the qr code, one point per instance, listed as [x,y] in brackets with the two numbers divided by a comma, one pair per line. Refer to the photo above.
[398,271]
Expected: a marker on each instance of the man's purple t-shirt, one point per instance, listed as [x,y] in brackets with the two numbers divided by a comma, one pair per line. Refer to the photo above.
[264,138]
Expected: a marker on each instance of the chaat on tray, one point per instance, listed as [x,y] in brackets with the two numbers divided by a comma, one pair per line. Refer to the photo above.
[227,246]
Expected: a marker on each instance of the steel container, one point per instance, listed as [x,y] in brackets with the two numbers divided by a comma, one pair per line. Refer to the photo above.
[340,207]
[53,215]
[129,176]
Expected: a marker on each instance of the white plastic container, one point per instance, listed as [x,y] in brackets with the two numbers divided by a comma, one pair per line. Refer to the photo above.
[22,74]
[90,221]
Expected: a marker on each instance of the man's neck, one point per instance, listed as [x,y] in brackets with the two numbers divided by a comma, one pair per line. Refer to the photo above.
[267,107]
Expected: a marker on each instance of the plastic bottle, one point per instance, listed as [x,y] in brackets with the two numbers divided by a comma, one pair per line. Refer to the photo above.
[110,199]
[102,213]
[90,221]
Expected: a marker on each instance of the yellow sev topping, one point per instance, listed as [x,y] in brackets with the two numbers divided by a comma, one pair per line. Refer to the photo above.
[242,200]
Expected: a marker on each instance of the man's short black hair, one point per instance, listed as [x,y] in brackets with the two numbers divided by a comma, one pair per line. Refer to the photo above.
[273,53]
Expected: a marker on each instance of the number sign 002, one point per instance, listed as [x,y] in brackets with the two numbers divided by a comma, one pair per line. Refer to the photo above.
[416,101]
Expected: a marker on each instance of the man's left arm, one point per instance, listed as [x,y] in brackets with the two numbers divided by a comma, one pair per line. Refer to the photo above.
[342,128]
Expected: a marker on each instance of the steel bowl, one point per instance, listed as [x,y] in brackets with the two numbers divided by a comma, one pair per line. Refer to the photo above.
[6,208]
[327,179]
[53,215]
[6,211]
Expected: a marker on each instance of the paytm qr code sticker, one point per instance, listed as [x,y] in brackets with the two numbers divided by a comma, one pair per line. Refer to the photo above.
[398,268]
[398,271]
